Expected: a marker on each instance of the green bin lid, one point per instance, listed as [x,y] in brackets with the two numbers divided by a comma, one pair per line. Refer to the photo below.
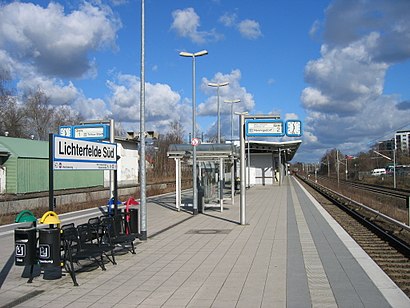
[25,216]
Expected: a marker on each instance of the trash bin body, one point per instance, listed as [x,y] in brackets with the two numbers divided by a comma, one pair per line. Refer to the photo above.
[25,240]
[134,221]
[201,193]
[49,247]
[237,184]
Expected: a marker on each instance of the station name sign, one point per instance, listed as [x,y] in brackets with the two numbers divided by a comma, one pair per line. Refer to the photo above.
[71,153]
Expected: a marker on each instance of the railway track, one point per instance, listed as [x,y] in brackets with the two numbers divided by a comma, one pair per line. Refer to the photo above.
[387,242]
[393,192]
[391,202]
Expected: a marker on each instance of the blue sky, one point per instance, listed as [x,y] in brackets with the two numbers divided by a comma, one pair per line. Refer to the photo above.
[340,66]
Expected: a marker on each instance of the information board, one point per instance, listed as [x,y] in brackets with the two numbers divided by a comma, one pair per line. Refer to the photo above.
[264,128]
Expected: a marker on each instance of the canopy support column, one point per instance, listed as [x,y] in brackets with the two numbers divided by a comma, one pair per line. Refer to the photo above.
[178,183]
[232,181]
[221,184]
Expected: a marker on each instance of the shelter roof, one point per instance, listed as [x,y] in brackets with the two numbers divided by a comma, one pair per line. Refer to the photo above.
[214,151]
[273,147]
[203,151]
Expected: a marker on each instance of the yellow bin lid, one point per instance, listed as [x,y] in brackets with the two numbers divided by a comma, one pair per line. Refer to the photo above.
[50,218]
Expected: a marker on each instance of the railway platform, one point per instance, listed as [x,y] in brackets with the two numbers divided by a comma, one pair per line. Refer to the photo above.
[290,253]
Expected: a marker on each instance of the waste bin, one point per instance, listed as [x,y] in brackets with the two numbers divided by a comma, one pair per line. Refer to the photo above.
[49,247]
[111,207]
[25,246]
[237,184]
[201,193]
[133,220]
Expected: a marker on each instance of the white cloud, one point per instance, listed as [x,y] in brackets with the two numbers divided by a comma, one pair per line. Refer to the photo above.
[162,104]
[232,91]
[228,19]
[42,47]
[315,28]
[344,102]
[291,116]
[92,109]
[249,29]
[119,2]
[59,93]
[68,95]
[271,81]
[360,18]
[313,98]
[52,42]
[186,23]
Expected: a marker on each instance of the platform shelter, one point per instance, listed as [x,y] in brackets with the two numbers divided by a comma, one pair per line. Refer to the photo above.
[267,161]
[209,157]
[266,164]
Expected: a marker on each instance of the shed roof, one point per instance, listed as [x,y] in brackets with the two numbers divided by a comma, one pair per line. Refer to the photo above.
[4,151]
[26,148]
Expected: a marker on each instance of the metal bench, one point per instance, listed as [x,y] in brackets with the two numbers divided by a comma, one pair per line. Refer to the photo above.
[77,246]
[116,231]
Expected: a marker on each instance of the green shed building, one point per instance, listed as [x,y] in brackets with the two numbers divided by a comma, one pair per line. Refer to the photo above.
[24,169]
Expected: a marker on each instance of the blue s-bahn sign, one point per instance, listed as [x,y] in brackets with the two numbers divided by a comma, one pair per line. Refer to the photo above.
[86,131]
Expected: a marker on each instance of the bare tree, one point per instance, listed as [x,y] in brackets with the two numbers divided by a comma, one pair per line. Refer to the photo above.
[11,114]
[163,166]
[13,119]
[4,78]
[119,129]
[39,114]
[176,133]
[64,115]
[4,98]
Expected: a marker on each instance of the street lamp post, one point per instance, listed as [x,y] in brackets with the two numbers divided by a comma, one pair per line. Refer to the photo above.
[194,171]
[235,101]
[143,205]
[394,165]
[218,85]
[221,161]
[242,167]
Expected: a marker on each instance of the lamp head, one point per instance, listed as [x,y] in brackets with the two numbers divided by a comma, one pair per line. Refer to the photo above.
[186,54]
[214,84]
[233,101]
[193,55]
[201,53]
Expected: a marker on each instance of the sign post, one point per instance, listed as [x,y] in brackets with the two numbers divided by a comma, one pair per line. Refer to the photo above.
[50,173]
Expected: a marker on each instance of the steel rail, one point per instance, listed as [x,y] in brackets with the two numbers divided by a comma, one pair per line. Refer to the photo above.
[401,194]
[345,203]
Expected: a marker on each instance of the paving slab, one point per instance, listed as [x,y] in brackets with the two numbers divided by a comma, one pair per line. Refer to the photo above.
[289,254]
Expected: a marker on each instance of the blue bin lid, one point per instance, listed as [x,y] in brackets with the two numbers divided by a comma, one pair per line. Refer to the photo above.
[111,202]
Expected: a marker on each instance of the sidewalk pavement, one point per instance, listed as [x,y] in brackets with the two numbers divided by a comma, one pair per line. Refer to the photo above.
[284,257]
